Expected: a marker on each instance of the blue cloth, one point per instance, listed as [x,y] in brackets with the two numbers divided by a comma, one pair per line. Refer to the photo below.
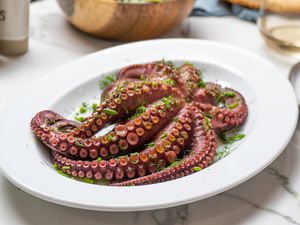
[221,8]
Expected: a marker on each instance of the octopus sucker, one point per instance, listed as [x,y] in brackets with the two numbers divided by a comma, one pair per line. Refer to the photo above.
[149,160]
[166,121]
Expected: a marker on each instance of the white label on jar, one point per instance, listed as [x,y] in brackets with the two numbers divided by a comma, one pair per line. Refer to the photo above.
[14,19]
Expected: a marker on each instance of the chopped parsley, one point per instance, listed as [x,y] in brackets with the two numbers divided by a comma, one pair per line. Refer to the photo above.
[94,107]
[220,154]
[207,121]
[149,145]
[78,143]
[170,82]
[66,167]
[139,111]
[233,105]
[201,84]
[164,135]
[109,137]
[197,168]
[167,101]
[228,140]
[89,180]
[110,111]
[79,118]
[82,109]
[107,80]
[229,94]
[99,159]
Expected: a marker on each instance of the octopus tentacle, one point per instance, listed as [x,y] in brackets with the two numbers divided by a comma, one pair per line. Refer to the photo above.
[123,103]
[158,69]
[156,102]
[202,154]
[226,107]
[164,152]
[124,138]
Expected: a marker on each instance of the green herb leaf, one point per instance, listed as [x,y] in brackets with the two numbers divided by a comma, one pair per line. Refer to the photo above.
[109,137]
[107,80]
[233,105]
[201,84]
[168,101]
[164,135]
[88,180]
[78,143]
[228,140]
[110,111]
[66,167]
[99,159]
[207,122]
[94,107]
[197,168]
[170,82]
[229,94]
[139,111]
[149,145]
[82,109]
[175,163]
[79,118]
[236,138]
[176,119]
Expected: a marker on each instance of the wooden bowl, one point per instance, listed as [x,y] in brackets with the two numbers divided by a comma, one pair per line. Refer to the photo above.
[125,21]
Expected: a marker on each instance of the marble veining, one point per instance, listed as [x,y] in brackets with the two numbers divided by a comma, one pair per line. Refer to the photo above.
[284,180]
[288,218]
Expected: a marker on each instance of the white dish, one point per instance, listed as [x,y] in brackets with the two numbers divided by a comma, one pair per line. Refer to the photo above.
[273,115]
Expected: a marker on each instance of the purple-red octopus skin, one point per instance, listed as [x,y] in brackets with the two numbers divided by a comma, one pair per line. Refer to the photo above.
[166,121]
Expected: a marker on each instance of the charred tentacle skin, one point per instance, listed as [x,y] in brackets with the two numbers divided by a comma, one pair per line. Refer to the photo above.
[161,130]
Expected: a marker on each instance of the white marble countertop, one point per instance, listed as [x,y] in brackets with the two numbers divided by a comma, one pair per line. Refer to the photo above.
[271,197]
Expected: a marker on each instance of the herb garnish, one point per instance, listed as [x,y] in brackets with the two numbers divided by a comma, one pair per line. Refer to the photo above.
[233,105]
[66,167]
[201,84]
[139,110]
[224,152]
[164,134]
[229,94]
[89,180]
[207,121]
[99,159]
[167,101]
[170,82]
[107,80]
[79,118]
[78,143]
[149,145]
[109,137]
[94,107]
[229,140]
[110,111]
[197,168]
